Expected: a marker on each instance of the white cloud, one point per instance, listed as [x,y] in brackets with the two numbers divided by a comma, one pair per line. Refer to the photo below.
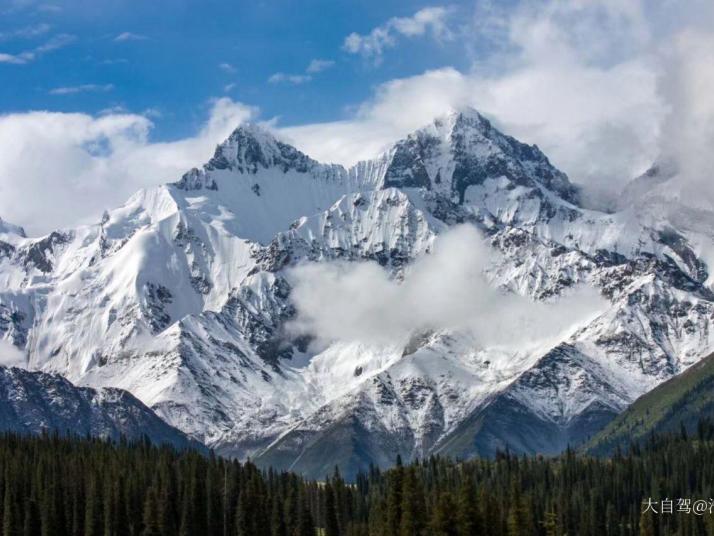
[430,20]
[603,87]
[58,169]
[317,65]
[688,132]
[129,36]
[26,32]
[314,67]
[294,79]
[82,88]
[56,42]
[10,356]
[227,68]
[585,80]
[16,59]
[361,302]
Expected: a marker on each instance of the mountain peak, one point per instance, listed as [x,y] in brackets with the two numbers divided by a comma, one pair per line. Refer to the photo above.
[251,146]
[467,113]
[462,149]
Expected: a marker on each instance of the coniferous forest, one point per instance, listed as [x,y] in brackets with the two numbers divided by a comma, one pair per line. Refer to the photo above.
[62,486]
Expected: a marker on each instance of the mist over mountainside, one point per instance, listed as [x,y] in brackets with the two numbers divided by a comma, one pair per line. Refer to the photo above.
[452,296]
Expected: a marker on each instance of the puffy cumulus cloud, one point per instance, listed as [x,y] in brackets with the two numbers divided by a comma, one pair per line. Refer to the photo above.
[569,112]
[599,85]
[430,20]
[444,290]
[398,107]
[597,119]
[58,169]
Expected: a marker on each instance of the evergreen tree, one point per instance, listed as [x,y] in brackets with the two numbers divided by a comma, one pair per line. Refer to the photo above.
[305,525]
[469,516]
[150,518]
[443,521]
[394,498]
[277,521]
[9,511]
[331,526]
[413,507]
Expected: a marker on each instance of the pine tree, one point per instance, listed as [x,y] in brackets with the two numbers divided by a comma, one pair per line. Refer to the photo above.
[277,521]
[31,525]
[92,510]
[331,527]
[9,511]
[150,518]
[305,525]
[469,517]
[243,521]
[443,522]
[550,524]
[413,508]
[394,498]
[647,524]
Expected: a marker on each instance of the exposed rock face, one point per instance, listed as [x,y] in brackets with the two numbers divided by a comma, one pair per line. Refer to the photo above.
[182,297]
[35,402]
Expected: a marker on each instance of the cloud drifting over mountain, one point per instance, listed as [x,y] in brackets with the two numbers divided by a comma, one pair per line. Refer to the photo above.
[599,86]
[604,88]
[58,169]
[361,302]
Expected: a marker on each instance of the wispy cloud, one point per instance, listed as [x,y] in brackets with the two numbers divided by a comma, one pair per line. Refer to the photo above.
[315,66]
[82,88]
[294,79]
[227,67]
[114,61]
[16,59]
[318,65]
[129,36]
[49,8]
[229,87]
[56,42]
[26,32]
[431,20]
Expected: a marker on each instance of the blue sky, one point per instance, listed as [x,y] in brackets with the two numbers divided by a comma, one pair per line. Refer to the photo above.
[99,98]
[172,57]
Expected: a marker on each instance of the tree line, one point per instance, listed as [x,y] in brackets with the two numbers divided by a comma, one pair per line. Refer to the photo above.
[59,486]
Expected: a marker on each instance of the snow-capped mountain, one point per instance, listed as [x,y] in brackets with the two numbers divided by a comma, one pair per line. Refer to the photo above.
[182,297]
[33,402]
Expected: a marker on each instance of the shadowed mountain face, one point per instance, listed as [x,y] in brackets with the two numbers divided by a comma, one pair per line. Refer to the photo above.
[182,297]
[34,402]
[681,401]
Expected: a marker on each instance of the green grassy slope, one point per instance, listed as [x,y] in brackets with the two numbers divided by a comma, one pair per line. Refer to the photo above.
[683,399]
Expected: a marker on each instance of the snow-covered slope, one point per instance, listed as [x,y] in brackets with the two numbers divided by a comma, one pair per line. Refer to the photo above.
[182,297]
[35,402]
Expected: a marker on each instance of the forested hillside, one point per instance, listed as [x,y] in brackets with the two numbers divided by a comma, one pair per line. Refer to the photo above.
[679,402]
[60,486]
